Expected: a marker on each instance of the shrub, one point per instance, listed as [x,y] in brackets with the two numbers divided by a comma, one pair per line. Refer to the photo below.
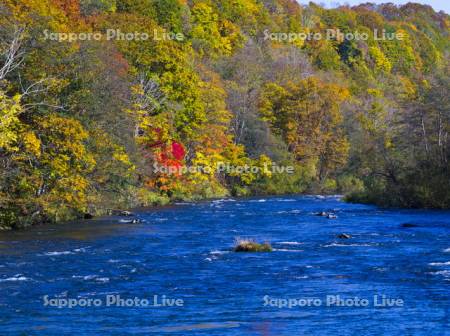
[247,245]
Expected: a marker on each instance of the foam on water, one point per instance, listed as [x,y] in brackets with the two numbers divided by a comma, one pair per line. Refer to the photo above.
[295,211]
[56,253]
[222,200]
[345,245]
[219,252]
[104,279]
[17,277]
[85,277]
[287,250]
[446,263]
[445,273]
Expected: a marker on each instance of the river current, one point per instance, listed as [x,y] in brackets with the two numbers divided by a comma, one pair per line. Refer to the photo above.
[174,272]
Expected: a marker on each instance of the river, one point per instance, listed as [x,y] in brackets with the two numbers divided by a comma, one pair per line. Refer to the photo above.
[174,273]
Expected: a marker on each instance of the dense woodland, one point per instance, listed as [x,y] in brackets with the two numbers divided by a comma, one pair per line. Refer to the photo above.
[83,123]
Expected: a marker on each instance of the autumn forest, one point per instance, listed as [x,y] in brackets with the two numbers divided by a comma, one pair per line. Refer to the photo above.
[104,102]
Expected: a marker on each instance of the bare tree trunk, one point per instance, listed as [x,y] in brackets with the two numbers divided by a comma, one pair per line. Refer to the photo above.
[13,56]
[424,134]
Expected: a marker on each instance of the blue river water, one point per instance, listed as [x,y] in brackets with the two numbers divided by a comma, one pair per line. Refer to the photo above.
[175,273]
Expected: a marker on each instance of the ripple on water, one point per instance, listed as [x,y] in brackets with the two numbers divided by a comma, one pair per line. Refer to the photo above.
[220,202]
[445,273]
[287,250]
[446,263]
[214,255]
[58,253]
[90,277]
[17,277]
[289,212]
[346,245]
[218,252]
[290,243]
[201,326]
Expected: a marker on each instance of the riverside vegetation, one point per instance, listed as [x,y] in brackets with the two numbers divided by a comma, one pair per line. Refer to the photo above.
[248,245]
[83,122]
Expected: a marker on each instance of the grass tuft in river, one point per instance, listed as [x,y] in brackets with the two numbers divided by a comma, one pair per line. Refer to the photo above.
[247,245]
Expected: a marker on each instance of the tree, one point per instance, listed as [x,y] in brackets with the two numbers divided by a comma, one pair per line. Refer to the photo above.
[307,115]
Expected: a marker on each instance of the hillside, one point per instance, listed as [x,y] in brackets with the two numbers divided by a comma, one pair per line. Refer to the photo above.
[111,104]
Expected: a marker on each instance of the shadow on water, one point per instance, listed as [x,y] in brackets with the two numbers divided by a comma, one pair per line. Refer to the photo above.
[80,230]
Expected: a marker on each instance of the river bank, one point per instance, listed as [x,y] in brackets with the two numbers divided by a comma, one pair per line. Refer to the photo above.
[162,202]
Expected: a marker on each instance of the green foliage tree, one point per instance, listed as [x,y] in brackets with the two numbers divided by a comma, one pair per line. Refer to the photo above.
[307,115]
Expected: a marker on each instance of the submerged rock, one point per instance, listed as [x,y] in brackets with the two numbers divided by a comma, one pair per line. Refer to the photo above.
[130,221]
[328,215]
[126,213]
[409,225]
[344,236]
[251,246]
